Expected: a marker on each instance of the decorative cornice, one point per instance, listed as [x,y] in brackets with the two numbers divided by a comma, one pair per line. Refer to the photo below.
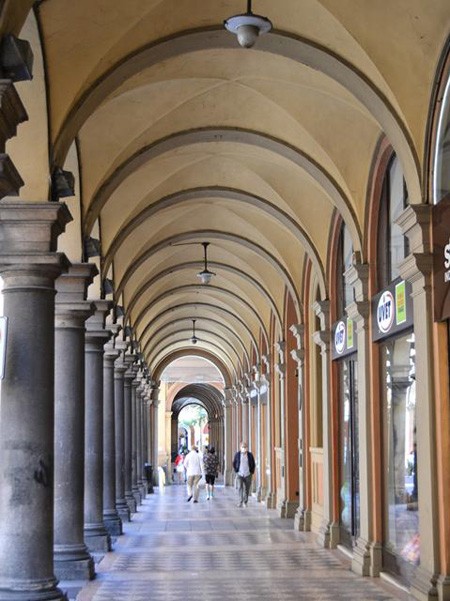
[10,180]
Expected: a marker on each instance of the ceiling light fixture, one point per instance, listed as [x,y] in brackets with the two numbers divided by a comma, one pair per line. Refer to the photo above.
[194,338]
[248,27]
[205,276]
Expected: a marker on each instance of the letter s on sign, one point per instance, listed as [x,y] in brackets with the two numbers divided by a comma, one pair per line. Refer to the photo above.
[447,255]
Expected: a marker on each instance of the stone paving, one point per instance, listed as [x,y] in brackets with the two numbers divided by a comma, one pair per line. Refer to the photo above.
[178,551]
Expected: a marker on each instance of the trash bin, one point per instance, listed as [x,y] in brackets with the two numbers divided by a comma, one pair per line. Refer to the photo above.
[148,471]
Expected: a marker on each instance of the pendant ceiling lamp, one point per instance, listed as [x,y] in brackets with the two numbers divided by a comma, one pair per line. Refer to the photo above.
[248,27]
[205,276]
[194,338]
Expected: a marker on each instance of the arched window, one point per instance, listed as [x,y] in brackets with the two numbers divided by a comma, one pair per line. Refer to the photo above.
[392,245]
[441,172]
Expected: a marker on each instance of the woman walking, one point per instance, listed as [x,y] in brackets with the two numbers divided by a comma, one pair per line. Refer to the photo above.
[211,470]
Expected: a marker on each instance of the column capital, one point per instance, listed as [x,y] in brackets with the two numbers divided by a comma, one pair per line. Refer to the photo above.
[417,267]
[95,325]
[357,276]
[299,356]
[265,360]
[359,312]
[71,308]
[415,222]
[322,310]
[30,227]
[12,111]
[322,339]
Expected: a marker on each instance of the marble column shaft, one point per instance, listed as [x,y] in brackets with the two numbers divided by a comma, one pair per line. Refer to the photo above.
[119,417]
[29,269]
[128,379]
[111,517]
[72,560]
[139,450]
[96,535]
[134,442]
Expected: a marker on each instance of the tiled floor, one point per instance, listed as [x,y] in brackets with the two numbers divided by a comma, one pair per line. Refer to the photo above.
[178,551]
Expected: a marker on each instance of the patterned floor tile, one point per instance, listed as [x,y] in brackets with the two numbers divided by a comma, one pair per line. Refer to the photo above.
[174,551]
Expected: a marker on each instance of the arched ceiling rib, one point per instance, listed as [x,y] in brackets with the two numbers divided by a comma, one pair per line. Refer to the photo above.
[172,326]
[165,361]
[295,48]
[208,396]
[182,136]
[197,267]
[136,262]
[232,320]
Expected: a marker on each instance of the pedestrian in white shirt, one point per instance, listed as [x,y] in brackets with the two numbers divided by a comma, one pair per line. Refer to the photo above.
[193,465]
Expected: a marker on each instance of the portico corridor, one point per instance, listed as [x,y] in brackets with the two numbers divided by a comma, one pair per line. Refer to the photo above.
[173,550]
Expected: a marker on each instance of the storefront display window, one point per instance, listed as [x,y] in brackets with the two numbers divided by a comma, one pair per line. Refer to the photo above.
[349,491]
[402,543]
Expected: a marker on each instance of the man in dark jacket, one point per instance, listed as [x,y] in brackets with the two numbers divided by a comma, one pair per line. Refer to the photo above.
[244,466]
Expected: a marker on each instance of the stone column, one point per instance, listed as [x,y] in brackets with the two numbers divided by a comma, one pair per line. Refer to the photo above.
[128,379]
[28,233]
[270,494]
[96,535]
[280,369]
[417,269]
[228,438]
[302,518]
[134,438]
[119,418]
[155,454]
[329,530]
[72,560]
[139,448]
[111,518]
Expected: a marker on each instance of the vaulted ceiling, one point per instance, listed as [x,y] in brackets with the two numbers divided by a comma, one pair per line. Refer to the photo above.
[182,136]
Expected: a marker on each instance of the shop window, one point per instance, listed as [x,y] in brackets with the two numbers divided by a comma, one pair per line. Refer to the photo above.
[401,540]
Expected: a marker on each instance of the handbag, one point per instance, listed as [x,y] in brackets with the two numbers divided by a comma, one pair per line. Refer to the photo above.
[202,483]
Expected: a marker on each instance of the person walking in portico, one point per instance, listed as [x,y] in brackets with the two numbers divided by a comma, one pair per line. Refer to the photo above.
[244,466]
[194,469]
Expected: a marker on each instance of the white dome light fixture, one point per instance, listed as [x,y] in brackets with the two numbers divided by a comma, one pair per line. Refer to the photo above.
[248,27]
[205,276]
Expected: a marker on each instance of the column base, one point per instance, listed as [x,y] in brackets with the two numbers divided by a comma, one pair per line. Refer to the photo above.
[328,536]
[42,590]
[73,562]
[131,502]
[361,558]
[97,538]
[113,524]
[302,520]
[137,495]
[123,510]
[270,500]
[443,586]
[424,585]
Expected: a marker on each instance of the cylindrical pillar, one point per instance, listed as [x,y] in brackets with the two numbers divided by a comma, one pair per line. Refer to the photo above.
[96,535]
[111,518]
[72,560]
[28,269]
[134,442]
[128,378]
[119,417]
[139,448]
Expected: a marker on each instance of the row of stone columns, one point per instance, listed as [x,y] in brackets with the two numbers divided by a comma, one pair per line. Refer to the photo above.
[74,413]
